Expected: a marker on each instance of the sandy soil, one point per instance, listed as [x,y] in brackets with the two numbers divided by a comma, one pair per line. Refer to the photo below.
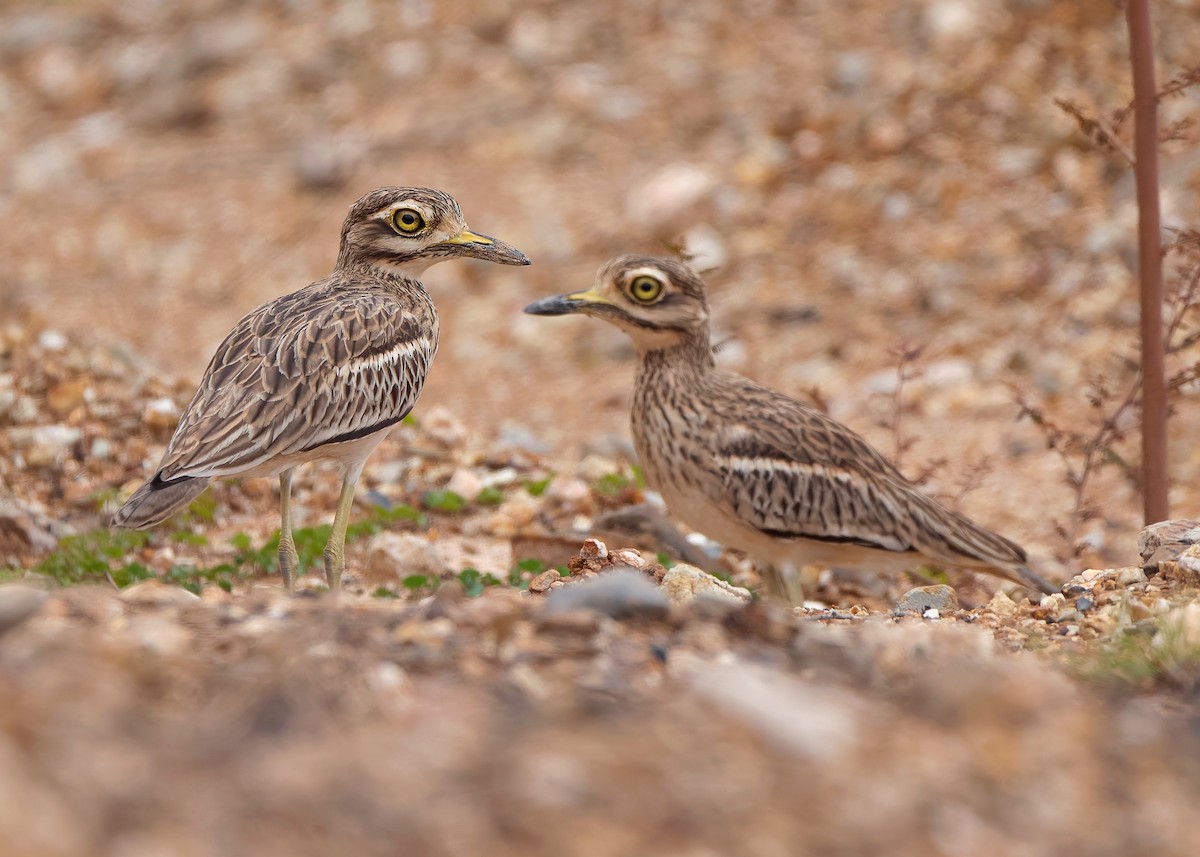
[862,175]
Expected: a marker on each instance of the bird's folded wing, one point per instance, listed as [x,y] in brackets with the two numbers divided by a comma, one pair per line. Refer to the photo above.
[795,473]
[301,372]
[799,494]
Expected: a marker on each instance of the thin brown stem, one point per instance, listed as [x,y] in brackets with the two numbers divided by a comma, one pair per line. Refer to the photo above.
[1155,504]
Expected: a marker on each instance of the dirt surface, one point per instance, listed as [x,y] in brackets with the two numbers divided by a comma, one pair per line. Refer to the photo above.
[860,175]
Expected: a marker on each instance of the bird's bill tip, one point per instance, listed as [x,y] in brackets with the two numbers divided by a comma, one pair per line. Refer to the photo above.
[477,246]
[565,304]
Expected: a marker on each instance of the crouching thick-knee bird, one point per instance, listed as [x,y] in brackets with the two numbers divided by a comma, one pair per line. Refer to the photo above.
[323,373]
[755,469]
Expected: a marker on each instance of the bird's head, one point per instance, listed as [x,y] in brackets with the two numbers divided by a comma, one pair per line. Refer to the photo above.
[658,302]
[404,230]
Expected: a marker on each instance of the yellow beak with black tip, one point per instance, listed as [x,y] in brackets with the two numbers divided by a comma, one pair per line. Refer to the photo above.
[476,246]
[567,304]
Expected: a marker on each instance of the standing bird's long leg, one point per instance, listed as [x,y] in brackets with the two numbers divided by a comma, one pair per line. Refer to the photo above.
[289,560]
[335,550]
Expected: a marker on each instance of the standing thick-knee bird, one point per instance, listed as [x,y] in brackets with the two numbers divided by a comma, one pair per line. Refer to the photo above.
[323,373]
[757,470]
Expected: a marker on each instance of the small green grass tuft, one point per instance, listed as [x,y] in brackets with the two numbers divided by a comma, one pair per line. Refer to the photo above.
[95,557]
[474,581]
[490,496]
[519,576]
[611,484]
[537,487]
[1154,654]
[204,507]
[444,501]
[418,582]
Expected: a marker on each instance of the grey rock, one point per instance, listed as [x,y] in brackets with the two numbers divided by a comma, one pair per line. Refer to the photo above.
[24,529]
[1166,540]
[621,594]
[941,598]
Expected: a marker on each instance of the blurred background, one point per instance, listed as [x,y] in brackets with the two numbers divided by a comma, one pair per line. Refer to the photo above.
[862,176]
[865,179]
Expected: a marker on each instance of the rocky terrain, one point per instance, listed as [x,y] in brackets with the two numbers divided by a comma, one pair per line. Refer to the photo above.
[530,656]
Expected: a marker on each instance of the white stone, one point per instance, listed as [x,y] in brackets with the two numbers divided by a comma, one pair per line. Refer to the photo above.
[391,557]
[465,484]
[671,192]
[443,427]
[684,583]
[158,594]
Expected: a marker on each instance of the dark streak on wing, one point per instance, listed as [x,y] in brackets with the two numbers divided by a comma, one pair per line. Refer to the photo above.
[839,540]
[357,433]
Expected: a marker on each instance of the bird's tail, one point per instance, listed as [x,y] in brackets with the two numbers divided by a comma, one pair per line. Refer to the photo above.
[1023,575]
[157,500]
[956,539]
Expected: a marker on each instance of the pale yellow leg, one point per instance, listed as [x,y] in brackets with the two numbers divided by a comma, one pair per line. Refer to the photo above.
[335,551]
[289,560]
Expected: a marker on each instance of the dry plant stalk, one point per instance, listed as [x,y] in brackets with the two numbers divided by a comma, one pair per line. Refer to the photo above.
[1150,391]
[1084,453]
[1155,479]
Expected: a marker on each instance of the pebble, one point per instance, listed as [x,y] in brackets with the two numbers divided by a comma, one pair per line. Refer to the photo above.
[23,527]
[160,634]
[1175,535]
[629,557]
[1180,628]
[1189,562]
[155,593]
[443,427]
[1070,614]
[52,340]
[1131,575]
[44,446]
[1052,602]
[514,515]
[669,194]
[487,555]
[465,483]
[621,594]
[161,416]
[18,603]
[392,556]
[938,598]
[541,583]
[593,551]
[1001,604]
[572,496]
[684,584]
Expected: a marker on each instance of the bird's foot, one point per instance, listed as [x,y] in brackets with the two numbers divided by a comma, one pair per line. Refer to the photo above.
[289,564]
[335,564]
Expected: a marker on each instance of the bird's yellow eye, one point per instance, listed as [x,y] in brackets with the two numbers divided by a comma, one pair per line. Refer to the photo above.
[645,288]
[408,220]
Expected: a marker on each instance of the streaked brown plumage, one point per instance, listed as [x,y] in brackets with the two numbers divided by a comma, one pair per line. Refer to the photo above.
[325,372]
[755,469]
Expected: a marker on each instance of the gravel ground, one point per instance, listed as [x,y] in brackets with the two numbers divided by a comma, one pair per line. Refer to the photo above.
[861,176]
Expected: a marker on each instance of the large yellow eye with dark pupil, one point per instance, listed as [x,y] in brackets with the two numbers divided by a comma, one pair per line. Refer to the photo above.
[645,288]
[408,220]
